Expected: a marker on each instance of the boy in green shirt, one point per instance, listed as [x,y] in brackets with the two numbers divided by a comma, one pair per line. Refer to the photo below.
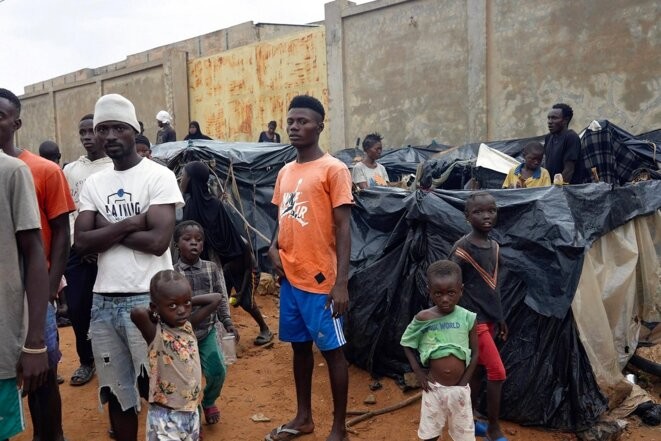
[446,340]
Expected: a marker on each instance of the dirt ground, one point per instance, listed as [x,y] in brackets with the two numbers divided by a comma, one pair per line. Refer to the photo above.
[261,382]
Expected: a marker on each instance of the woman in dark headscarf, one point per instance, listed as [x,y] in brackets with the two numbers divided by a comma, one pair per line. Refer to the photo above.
[194,131]
[223,243]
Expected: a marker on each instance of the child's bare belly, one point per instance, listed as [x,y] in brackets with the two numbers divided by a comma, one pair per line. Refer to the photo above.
[447,370]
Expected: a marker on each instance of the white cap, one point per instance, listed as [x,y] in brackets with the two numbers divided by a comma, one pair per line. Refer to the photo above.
[114,107]
[164,117]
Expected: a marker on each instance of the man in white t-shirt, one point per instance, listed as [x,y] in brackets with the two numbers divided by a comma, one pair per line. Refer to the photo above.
[126,214]
[81,270]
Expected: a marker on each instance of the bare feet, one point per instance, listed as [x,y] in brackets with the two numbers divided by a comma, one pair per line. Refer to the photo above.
[338,435]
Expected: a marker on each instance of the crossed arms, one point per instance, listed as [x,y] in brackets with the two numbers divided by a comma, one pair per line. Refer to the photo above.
[149,232]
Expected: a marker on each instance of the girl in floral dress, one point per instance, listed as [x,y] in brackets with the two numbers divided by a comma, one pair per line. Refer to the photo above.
[174,362]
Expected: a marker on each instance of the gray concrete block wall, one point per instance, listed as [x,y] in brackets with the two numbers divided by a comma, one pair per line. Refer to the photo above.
[453,71]
[417,70]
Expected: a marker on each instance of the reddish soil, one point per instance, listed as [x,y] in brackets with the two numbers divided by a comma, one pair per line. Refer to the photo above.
[261,382]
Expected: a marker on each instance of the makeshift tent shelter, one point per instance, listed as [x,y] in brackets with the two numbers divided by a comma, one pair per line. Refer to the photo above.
[399,161]
[453,168]
[247,173]
[611,150]
[552,240]
[544,234]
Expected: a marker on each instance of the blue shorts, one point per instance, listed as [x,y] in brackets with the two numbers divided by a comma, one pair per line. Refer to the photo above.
[303,318]
[120,350]
[11,409]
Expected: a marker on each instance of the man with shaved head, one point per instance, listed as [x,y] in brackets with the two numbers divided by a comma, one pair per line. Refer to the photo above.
[51,151]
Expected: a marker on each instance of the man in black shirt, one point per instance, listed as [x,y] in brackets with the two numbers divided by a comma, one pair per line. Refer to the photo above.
[563,146]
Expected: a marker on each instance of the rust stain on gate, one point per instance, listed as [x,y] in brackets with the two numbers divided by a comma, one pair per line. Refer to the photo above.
[234,94]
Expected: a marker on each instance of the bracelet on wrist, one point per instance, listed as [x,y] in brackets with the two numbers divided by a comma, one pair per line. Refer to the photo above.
[35,351]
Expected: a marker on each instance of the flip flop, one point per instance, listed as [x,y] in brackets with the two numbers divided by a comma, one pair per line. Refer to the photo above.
[261,340]
[212,414]
[481,428]
[282,433]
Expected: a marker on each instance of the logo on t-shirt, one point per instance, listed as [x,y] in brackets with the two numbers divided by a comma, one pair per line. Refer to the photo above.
[377,180]
[292,207]
[120,205]
[444,326]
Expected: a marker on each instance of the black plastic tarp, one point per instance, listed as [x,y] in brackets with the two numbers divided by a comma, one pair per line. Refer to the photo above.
[458,164]
[544,234]
[615,153]
[399,161]
[653,136]
[253,167]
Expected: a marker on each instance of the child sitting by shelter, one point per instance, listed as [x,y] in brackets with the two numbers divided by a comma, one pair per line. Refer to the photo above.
[445,336]
[368,172]
[478,257]
[529,173]
[174,362]
[205,277]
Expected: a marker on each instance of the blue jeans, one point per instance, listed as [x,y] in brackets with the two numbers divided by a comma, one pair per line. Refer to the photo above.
[120,351]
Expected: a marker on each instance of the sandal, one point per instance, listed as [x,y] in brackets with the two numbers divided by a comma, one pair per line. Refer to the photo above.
[282,433]
[481,428]
[263,339]
[212,414]
[82,375]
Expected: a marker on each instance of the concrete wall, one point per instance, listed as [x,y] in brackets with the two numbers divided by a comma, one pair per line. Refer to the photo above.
[153,80]
[70,106]
[602,57]
[404,71]
[459,71]
[414,70]
[234,94]
[55,114]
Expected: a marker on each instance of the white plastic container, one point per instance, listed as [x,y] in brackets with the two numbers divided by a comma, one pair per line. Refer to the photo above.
[228,344]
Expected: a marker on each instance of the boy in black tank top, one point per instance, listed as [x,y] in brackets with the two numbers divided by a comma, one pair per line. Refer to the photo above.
[478,257]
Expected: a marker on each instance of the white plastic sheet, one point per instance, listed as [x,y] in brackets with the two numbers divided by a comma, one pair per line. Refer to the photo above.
[494,160]
[619,286]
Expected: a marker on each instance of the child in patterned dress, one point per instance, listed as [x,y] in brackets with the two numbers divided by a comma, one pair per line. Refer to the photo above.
[174,363]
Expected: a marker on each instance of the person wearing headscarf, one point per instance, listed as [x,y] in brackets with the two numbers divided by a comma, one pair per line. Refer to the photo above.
[224,244]
[194,132]
[165,132]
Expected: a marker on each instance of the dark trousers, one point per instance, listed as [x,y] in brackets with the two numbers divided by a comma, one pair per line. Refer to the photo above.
[80,282]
